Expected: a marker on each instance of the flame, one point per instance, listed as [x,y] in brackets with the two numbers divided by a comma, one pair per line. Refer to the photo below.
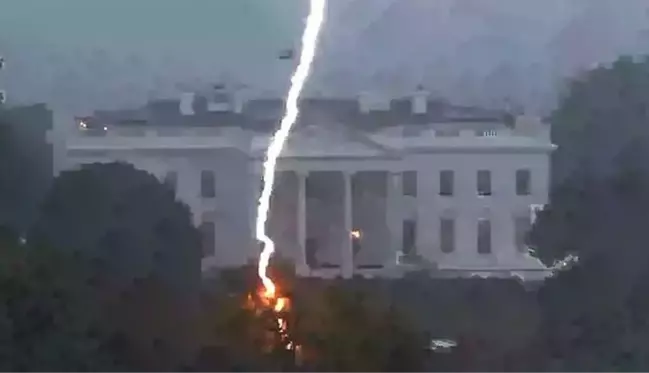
[281,304]
[309,42]
[356,234]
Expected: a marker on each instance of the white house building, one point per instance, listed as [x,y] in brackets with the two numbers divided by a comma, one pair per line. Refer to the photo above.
[366,186]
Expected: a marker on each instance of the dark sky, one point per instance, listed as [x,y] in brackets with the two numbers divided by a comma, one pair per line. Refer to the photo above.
[83,54]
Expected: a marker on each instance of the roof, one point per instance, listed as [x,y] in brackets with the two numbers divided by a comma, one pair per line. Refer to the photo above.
[325,141]
[263,115]
[427,142]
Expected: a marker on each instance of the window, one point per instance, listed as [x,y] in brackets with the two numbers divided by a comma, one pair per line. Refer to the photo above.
[522,226]
[208,239]
[523,182]
[409,237]
[447,235]
[484,183]
[311,252]
[446,182]
[409,179]
[207,184]
[171,180]
[484,236]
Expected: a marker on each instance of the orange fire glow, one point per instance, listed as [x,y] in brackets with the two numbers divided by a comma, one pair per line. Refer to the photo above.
[279,305]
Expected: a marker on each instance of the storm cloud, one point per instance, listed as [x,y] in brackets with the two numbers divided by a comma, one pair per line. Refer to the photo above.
[84,54]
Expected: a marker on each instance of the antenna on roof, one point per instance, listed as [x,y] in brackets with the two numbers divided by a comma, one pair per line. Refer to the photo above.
[286,54]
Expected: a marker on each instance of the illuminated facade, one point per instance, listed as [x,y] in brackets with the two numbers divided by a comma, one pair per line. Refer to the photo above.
[366,186]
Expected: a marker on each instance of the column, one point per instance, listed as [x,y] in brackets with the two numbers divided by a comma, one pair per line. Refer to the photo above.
[301,265]
[186,190]
[347,256]
[395,220]
[504,236]
[255,191]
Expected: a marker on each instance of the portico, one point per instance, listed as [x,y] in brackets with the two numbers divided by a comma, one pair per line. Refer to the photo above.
[332,223]
[321,199]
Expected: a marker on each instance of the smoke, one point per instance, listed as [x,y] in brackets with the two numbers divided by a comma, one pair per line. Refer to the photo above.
[470,51]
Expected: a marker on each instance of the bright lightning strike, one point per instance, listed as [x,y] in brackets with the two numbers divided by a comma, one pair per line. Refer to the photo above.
[309,42]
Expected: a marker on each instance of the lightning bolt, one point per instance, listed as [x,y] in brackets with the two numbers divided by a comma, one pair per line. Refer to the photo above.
[309,42]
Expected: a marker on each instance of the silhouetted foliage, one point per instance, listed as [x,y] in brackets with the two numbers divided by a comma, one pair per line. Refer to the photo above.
[126,220]
[604,111]
[492,321]
[594,317]
[142,255]
[48,314]
[25,163]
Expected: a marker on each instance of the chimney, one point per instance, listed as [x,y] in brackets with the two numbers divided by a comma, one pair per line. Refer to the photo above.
[238,101]
[364,102]
[187,103]
[372,101]
[218,99]
[528,125]
[420,101]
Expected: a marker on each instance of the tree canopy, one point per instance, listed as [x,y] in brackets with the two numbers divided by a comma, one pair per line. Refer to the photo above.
[126,220]
[336,326]
[48,313]
[593,316]
[25,164]
[603,111]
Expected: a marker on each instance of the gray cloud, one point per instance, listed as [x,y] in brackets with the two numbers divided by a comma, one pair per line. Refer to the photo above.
[82,54]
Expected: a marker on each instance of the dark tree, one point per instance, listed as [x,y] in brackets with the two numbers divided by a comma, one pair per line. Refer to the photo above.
[143,255]
[599,200]
[336,326]
[593,315]
[604,111]
[126,220]
[48,314]
[25,164]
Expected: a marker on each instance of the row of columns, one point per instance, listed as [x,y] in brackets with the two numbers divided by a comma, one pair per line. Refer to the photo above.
[347,252]
[394,218]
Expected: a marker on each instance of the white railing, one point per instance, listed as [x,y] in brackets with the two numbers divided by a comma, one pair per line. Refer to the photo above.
[157,138]
[135,131]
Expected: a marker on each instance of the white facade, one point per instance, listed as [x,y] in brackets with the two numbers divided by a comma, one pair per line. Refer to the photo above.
[390,186]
